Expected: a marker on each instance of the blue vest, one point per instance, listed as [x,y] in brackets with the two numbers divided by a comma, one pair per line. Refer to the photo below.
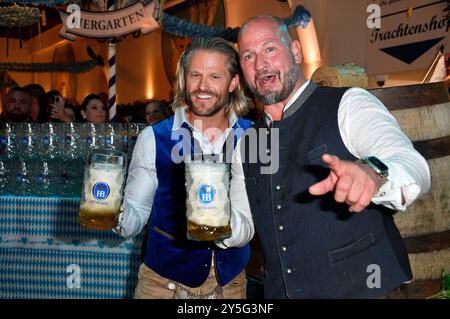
[313,246]
[169,252]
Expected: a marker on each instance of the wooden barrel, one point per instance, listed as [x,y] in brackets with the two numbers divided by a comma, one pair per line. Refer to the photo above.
[341,75]
[423,112]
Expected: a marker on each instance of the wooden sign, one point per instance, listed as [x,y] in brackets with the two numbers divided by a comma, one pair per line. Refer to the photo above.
[405,34]
[111,24]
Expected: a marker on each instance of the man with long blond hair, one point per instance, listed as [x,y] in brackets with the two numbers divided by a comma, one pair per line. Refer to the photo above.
[208,100]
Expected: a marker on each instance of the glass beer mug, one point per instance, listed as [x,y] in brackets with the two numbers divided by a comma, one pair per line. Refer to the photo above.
[207,201]
[101,198]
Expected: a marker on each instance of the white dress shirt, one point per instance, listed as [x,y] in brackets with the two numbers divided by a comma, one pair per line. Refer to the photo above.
[368,129]
[142,183]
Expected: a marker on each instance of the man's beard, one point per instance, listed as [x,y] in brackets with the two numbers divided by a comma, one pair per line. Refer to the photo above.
[269,97]
[222,101]
[18,116]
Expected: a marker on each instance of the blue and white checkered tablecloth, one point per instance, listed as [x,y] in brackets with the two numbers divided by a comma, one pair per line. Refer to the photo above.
[45,253]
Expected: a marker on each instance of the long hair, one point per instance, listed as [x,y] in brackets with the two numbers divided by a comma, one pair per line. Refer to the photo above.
[88,99]
[238,100]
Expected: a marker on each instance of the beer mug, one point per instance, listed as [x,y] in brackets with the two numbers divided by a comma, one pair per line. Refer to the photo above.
[8,145]
[207,202]
[101,197]
[5,168]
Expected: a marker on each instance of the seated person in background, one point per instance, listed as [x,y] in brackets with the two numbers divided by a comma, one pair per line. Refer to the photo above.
[137,118]
[93,110]
[75,107]
[156,111]
[38,102]
[17,106]
[104,97]
[57,110]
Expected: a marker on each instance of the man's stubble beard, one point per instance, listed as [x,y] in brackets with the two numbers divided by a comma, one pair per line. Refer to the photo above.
[222,101]
[288,82]
[18,117]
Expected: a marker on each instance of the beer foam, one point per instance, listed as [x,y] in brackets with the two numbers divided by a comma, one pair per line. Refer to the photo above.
[109,174]
[215,213]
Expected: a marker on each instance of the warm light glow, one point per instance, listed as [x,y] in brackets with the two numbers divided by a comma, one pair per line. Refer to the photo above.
[51,48]
[149,94]
[309,44]
[310,48]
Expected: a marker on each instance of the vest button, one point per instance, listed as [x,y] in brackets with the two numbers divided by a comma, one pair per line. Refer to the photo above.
[289,271]
[278,187]
[281,227]
[279,207]
[283,248]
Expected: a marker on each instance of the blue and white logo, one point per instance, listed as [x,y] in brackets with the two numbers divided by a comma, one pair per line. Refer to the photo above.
[25,141]
[41,178]
[100,191]
[108,140]
[68,140]
[206,193]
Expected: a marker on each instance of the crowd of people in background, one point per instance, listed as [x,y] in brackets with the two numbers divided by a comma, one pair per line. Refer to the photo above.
[31,103]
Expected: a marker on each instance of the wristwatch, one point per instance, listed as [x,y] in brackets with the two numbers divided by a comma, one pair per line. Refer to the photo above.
[378,166]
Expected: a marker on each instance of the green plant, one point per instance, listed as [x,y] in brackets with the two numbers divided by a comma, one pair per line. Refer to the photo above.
[445,292]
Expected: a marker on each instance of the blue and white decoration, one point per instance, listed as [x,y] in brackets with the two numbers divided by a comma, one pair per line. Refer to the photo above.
[45,253]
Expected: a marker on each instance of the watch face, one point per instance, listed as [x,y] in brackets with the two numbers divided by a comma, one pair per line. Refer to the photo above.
[378,164]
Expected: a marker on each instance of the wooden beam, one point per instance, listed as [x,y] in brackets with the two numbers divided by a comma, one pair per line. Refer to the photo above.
[433,148]
[412,96]
[427,243]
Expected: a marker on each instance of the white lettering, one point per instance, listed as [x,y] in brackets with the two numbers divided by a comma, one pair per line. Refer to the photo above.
[73,20]
[74,280]
[374,19]
[374,279]
[194,309]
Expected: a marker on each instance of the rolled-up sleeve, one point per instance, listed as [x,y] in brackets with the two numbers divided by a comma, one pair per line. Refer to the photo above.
[368,129]
[241,217]
[140,188]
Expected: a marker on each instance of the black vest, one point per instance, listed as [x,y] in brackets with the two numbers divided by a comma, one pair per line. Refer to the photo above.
[313,246]
[168,251]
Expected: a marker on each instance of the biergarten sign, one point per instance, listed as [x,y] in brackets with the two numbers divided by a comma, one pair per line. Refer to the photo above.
[110,24]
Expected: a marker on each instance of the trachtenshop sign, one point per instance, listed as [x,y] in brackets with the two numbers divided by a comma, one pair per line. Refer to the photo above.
[405,35]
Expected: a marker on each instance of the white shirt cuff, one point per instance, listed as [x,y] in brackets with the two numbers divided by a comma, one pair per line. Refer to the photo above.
[390,194]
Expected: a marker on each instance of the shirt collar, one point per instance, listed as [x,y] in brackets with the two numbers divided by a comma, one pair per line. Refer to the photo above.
[268,118]
[296,95]
[179,118]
